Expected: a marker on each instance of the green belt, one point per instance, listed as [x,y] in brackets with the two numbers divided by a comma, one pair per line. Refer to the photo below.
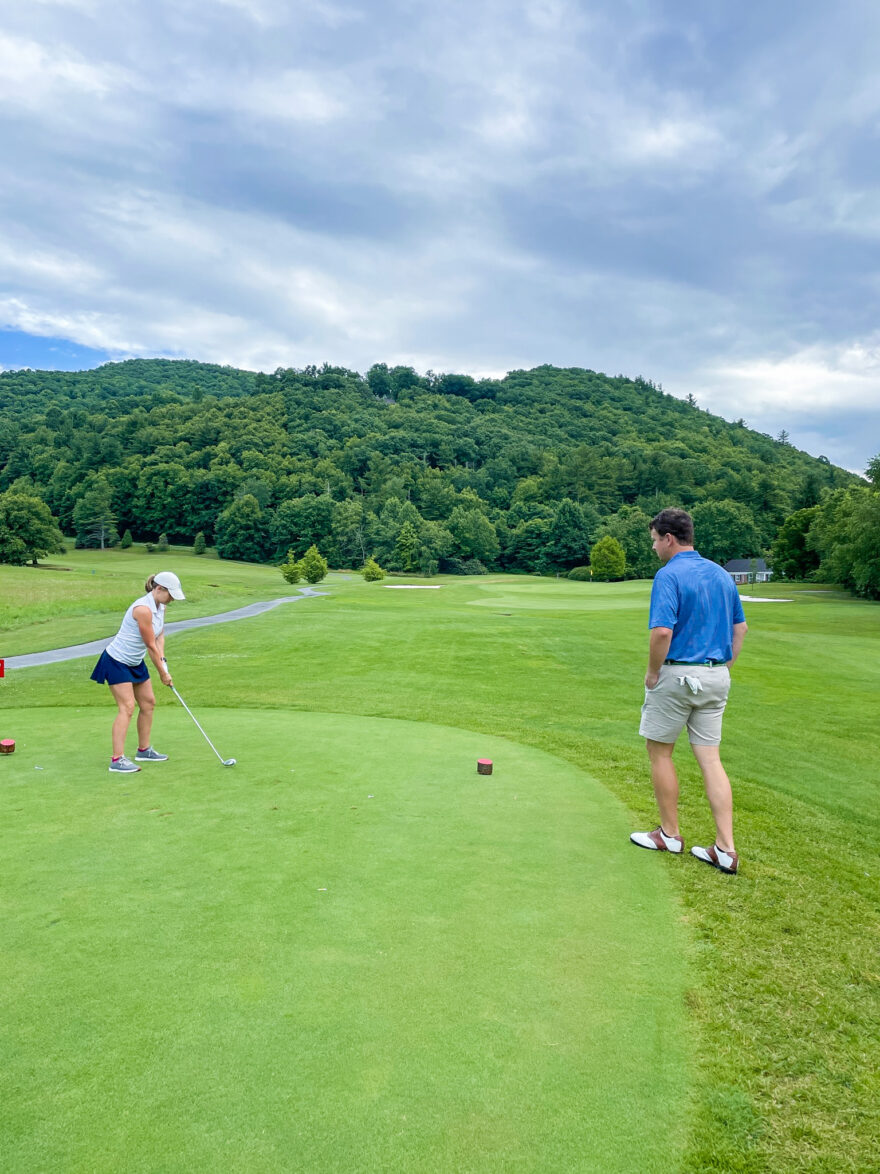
[710,663]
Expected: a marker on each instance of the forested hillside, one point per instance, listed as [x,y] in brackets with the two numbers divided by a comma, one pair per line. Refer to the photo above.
[425,472]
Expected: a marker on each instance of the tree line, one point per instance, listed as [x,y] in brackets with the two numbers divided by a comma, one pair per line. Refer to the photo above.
[425,472]
[837,540]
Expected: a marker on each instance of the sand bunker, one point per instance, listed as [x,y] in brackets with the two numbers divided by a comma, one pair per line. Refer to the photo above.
[758,599]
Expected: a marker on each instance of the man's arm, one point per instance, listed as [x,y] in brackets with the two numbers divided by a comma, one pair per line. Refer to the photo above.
[661,638]
[739,634]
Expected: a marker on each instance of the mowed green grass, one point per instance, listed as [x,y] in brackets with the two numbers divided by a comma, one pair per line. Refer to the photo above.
[80,596]
[348,952]
[783,1003]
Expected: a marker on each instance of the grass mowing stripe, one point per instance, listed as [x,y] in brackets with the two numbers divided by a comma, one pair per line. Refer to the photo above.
[351,952]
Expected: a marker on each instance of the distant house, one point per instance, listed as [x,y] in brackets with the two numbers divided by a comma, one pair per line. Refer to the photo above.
[748,570]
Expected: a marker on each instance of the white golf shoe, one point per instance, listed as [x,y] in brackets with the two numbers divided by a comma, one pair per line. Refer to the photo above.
[658,841]
[725,861]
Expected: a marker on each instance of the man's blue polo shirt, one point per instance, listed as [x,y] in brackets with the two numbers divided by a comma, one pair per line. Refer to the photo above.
[698,600]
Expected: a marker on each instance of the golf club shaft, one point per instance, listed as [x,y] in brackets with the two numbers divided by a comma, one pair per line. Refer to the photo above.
[195,719]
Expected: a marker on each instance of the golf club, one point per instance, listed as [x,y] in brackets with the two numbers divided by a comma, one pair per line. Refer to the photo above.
[225,761]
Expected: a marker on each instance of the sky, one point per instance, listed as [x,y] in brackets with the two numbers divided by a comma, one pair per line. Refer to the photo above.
[686,191]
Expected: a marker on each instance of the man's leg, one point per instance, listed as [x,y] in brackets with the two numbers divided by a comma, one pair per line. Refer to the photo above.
[665,782]
[718,793]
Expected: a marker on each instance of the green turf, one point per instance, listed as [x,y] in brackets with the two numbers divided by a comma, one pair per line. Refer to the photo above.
[81,595]
[350,951]
[784,995]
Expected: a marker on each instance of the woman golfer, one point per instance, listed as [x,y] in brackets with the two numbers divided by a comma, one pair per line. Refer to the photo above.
[122,666]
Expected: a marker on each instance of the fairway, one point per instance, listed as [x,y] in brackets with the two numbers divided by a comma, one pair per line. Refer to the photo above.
[556,595]
[348,952]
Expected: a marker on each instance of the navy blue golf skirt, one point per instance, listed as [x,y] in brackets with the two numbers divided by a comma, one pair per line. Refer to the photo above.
[114,672]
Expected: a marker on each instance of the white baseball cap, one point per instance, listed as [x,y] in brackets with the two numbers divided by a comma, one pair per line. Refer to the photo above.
[171,583]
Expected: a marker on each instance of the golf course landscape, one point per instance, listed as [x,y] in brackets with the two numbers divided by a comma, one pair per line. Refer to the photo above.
[352,953]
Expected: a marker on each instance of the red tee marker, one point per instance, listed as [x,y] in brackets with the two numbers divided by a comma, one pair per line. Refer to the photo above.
[484,766]
[7,746]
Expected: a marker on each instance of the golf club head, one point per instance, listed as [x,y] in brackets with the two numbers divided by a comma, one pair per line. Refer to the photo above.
[229,762]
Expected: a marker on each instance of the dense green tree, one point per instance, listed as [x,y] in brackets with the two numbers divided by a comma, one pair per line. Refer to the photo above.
[243,531]
[527,547]
[608,562]
[348,533]
[790,556]
[724,530]
[302,522]
[161,499]
[407,548]
[473,534]
[126,541]
[177,442]
[809,494]
[60,493]
[631,527]
[435,495]
[862,544]
[436,543]
[383,529]
[93,517]
[379,380]
[27,529]
[846,534]
[258,487]
[210,491]
[571,534]
[199,545]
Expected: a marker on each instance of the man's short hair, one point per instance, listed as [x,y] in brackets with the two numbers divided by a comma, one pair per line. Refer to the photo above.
[678,523]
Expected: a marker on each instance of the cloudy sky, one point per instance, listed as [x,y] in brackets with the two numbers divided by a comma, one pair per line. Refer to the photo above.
[686,190]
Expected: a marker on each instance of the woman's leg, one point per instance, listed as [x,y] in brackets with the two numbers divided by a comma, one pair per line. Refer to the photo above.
[123,695]
[146,700]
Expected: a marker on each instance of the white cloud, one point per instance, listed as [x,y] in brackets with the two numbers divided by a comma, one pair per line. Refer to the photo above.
[668,139]
[269,14]
[298,96]
[88,7]
[88,328]
[810,380]
[31,72]
[56,269]
[463,186]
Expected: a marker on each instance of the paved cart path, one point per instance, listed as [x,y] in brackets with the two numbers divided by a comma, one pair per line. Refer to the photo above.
[96,647]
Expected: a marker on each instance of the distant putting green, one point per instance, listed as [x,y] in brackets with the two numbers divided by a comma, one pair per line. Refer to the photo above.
[557,595]
[348,952]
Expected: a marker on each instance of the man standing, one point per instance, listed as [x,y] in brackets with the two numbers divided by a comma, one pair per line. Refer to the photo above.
[697,630]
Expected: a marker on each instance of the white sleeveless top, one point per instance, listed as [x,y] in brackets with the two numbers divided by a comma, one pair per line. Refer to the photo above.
[127,646]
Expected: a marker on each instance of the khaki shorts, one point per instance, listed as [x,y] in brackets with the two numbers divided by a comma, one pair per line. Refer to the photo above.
[671,706]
